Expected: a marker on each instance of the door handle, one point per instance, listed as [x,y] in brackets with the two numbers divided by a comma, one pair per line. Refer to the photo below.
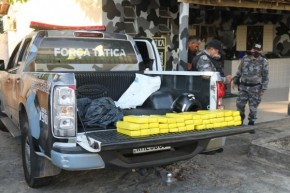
[18,80]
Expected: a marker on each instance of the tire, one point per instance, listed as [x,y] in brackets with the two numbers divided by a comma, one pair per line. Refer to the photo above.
[31,161]
[2,127]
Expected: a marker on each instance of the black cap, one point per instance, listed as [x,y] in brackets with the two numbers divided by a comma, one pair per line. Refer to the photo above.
[257,47]
[216,44]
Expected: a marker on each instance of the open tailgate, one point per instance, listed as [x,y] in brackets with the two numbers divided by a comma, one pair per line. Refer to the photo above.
[112,140]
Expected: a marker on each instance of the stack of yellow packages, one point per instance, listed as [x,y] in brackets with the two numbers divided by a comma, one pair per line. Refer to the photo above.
[187,121]
[145,125]
[138,125]
[170,124]
[209,119]
[220,118]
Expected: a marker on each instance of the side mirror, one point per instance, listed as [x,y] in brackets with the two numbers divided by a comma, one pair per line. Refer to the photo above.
[2,65]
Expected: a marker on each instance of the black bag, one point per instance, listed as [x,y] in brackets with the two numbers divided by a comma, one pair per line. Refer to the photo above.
[99,112]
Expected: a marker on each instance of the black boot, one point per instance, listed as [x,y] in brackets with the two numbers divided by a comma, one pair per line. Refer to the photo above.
[251,123]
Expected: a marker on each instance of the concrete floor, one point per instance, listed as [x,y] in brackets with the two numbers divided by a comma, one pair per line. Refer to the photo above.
[274,105]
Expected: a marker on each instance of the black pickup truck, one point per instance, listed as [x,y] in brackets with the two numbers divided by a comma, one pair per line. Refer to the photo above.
[51,70]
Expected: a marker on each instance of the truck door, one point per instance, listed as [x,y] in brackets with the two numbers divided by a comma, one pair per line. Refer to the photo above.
[13,81]
[149,53]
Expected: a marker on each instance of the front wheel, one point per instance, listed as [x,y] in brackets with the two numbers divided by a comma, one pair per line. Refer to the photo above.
[31,161]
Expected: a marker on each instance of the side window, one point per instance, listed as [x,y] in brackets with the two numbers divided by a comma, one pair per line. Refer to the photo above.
[146,54]
[15,59]
[23,51]
[13,56]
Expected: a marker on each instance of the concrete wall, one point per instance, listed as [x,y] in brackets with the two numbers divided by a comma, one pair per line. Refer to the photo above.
[279,72]
[4,47]
[147,19]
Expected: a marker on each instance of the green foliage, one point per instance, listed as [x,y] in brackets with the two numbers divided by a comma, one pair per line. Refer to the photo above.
[14,1]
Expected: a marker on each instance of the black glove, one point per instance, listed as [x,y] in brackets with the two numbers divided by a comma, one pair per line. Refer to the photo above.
[236,81]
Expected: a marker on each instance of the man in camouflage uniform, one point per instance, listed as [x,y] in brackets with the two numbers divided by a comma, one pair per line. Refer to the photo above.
[252,80]
[210,60]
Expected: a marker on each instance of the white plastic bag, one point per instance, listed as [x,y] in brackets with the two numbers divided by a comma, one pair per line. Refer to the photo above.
[142,87]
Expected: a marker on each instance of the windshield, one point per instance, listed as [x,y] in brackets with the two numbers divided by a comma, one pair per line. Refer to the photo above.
[83,54]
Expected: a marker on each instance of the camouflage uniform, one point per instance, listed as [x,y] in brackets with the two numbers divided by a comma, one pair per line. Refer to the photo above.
[252,78]
[205,63]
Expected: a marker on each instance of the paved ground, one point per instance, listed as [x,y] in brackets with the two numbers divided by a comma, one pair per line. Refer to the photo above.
[232,171]
[274,105]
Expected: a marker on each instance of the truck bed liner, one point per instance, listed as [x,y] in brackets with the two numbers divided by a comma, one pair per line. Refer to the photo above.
[112,140]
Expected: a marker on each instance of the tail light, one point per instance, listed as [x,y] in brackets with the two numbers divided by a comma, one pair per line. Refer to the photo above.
[64,119]
[221,92]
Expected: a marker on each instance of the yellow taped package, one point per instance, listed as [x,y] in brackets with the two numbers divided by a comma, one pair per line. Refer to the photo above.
[210,126]
[163,126]
[188,122]
[194,115]
[204,116]
[216,120]
[181,129]
[200,127]
[216,125]
[238,123]
[217,112]
[160,118]
[180,115]
[231,123]
[171,120]
[175,119]
[205,122]
[237,118]
[132,126]
[136,119]
[173,129]
[140,119]
[163,130]
[153,125]
[228,113]
[198,122]
[220,119]
[236,113]
[145,132]
[208,113]
[154,131]
[172,125]
[231,112]
[229,119]
[179,119]
[190,127]
[224,124]
[129,132]
[132,133]
[180,124]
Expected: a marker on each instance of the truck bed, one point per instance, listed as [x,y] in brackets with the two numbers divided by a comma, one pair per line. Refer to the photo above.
[119,150]
[112,140]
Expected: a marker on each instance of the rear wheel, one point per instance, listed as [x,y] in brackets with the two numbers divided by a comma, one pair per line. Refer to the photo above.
[31,161]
